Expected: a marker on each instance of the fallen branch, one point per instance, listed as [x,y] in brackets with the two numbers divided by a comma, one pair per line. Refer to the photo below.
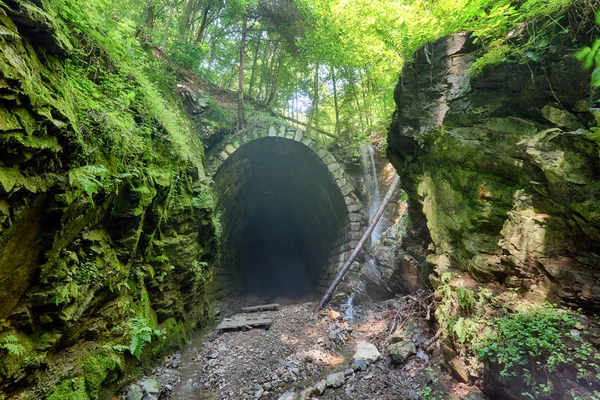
[360,245]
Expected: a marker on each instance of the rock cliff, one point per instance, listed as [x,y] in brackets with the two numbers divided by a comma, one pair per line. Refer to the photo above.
[107,240]
[504,167]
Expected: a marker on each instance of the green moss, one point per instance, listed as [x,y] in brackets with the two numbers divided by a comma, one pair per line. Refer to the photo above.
[9,177]
[70,389]
[496,55]
[98,368]
[129,150]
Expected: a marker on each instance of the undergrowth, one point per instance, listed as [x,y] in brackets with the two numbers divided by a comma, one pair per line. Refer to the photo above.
[534,343]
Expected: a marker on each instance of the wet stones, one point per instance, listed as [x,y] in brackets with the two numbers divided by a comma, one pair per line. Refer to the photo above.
[561,118]
[147,389]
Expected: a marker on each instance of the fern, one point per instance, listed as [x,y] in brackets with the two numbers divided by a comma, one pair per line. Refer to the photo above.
[90,178]
[13,347]
[141,334]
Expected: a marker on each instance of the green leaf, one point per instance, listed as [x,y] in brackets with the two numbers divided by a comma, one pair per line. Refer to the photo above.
[533,56]
[596,77]
[589,61]
[582,53]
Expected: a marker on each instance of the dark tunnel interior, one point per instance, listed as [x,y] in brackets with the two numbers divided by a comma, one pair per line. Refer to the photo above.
[283,219]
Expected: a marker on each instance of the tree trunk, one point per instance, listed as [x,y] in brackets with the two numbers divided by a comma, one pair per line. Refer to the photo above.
[365,103]
[186,21]
[203,24]
[150,16]
[240,119]
[335,101]
[254,62]
[360,111]
[275,87]
[167,26]
[313,110]
[271,74]
[361,243]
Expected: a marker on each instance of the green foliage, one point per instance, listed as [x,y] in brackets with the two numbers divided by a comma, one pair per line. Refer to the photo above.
[70,389]
[189,55]
[13,347]
[98,366]
[89,178]
[530,344]
[115,84]
[16,355]
[466,299]
[66,292]
[141,333]
[217,224]
[590,56]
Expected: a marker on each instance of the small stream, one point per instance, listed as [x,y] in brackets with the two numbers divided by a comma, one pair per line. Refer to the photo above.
[189,368]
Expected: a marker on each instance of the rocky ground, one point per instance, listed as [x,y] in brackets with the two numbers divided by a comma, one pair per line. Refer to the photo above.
[386,351]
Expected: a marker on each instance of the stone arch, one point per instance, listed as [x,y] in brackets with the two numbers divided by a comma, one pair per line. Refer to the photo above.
[322,199]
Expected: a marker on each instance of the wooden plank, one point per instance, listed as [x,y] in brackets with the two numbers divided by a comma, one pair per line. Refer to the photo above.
[262,307]
[245,323]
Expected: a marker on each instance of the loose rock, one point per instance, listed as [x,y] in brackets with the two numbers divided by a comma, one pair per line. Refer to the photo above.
[291,395]
[368,352]
[150,386]
[134,392]
[319,388]
[400,352]
[335,380]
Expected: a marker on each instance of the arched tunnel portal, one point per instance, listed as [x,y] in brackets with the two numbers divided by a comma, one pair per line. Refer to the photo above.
[288,218]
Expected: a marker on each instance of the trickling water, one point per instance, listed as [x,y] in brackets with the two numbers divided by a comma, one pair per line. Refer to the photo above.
[370,173]
[349,313]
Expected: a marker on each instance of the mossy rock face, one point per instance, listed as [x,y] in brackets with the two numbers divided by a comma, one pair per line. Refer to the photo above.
[505,178]
[105,218]
[512,188]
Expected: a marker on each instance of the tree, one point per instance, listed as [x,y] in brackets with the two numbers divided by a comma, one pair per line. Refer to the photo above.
[240,111]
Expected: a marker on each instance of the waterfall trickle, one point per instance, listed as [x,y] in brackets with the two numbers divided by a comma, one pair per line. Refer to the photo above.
[349,313]
[372,184]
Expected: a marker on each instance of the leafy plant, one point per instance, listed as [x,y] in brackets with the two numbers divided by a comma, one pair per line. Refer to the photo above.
[13,347]
[141,333]
[90,178]
[466,299]
[590,56]
[533,343]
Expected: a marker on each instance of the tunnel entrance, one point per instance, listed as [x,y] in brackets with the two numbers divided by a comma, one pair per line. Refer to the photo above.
[284,220]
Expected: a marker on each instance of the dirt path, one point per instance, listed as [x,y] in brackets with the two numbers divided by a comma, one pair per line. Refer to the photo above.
[301,349]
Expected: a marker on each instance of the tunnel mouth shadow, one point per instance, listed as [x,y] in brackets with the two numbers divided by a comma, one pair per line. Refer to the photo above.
[284,221]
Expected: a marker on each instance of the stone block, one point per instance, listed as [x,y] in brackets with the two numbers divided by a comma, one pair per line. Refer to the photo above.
[354,208]
[347,189]
[333,167]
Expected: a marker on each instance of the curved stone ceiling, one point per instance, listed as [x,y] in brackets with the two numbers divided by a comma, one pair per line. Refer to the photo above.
[288,215]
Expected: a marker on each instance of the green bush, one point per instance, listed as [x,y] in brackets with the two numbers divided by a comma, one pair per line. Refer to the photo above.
[534,343]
